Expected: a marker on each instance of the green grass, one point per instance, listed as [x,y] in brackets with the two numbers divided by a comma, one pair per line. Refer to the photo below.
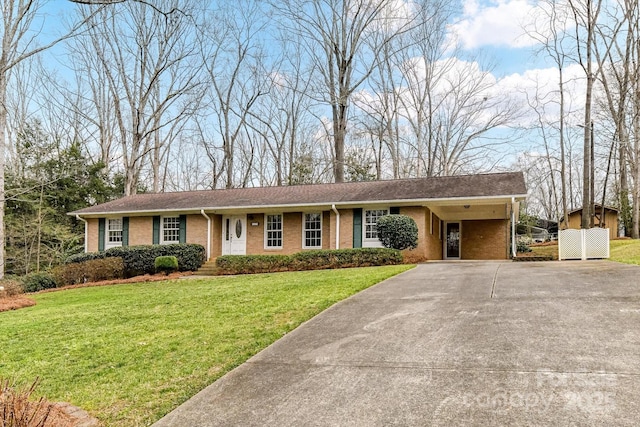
[626,251]
[130,353]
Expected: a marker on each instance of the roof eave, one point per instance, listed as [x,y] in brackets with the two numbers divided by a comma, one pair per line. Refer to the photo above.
[303,206]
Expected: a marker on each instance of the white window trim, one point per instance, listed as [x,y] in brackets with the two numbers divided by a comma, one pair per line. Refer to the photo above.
[369,242]
[304,230]
[107,244]
[266,241]
[168,242]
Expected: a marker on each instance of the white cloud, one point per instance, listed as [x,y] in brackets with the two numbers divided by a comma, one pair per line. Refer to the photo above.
[496,23]
[540,88]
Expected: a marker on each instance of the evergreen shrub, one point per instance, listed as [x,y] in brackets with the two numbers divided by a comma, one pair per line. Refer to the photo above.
[398,232]
[34,282]
[166,264]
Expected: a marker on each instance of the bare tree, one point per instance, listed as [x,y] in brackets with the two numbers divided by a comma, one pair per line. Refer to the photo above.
[585,15]
[232,54]
[145,58]
[336,35]
[548,30]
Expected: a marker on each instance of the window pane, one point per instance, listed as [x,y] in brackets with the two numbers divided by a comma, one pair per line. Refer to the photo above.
[114,227]
[313,230]
[171,229]
[274,231]
[371,220]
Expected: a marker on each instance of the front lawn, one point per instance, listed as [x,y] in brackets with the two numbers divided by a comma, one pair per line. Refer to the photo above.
[130,353]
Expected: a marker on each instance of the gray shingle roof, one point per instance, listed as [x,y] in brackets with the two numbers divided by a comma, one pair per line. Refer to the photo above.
[461,186]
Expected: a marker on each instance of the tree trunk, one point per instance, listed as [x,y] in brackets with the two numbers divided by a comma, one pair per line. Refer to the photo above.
[3,142]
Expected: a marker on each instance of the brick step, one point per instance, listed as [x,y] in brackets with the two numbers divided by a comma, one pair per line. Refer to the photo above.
[208,269]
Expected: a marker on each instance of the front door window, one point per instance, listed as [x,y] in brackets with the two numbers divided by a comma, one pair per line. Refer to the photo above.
[453,240]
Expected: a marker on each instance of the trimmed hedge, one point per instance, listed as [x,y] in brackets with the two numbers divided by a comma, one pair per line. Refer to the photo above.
[34,282]
[140,260]
[85,256]
[89,271]
[166,264]
[308,260]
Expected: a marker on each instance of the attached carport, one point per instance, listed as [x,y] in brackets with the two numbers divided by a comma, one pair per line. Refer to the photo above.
[498,213]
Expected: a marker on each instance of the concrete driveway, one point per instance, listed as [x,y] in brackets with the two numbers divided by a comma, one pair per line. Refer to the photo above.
[462,343]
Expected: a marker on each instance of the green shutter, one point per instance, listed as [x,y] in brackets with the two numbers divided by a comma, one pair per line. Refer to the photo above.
[183,229]
[125,231]
[394,210]
[357,228]
[101,226]
[156,230]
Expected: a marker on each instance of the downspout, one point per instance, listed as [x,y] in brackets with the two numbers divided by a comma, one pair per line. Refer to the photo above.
[86,232]
[333,208]
[208,233]
[513,229]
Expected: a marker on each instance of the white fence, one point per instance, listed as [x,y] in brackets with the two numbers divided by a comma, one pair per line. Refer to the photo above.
[583,244]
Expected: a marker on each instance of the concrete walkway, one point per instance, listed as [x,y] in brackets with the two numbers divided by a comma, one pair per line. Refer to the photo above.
[491,343]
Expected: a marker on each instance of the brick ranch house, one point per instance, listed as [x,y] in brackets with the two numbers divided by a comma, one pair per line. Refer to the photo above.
[458,217]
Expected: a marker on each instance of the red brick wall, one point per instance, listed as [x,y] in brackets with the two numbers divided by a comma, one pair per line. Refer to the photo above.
[291,234]
[216,235]
[433,240]
[197,230]
[485,239]
[421,217]
[140,230]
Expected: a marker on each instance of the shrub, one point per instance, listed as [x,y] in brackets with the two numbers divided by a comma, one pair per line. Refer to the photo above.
[248,264]
[522,246]
[17,409]
[141,259]
[166,264]
[398,232]
[87,256]
[34,282]
[10,288]
[89,271]
[308,260]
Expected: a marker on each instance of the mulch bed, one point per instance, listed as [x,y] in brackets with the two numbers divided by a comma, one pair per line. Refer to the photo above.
[522,256]
[15,302]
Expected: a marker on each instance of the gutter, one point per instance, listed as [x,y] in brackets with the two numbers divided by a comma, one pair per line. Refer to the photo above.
[86,231]
[333,208]
[208,233]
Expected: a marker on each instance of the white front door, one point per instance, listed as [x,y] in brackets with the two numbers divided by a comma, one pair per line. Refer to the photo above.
[234,235]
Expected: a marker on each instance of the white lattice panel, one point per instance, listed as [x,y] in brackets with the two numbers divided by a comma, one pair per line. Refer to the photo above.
[570,244]
[583,244]
[596,242]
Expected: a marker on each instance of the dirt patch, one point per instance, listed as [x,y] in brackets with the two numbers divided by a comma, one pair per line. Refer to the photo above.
[15,302]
